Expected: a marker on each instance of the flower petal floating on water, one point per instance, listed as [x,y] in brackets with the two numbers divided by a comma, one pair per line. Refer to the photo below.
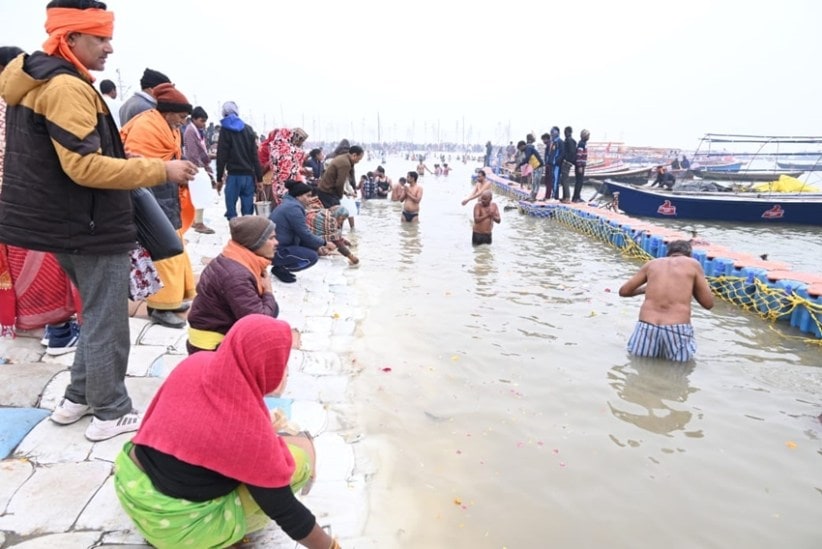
[386,369]
[791,444]
[455,358]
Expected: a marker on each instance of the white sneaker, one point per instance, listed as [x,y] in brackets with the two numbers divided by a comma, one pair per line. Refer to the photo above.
[101,429]
[68,412]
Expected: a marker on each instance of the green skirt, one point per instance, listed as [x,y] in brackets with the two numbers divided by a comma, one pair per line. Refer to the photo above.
[170,522]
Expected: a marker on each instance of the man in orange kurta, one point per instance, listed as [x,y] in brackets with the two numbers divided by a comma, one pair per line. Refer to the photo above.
[155,133]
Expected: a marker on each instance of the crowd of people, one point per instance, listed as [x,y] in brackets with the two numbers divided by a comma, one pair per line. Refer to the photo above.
[549,165]
[72,251]
[68,270]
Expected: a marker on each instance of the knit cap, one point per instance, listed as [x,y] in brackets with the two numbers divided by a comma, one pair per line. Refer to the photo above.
[296,188]
[170,99]
[153,78]
[251,231]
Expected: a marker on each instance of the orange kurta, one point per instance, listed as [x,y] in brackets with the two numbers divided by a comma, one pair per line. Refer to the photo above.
[149,135]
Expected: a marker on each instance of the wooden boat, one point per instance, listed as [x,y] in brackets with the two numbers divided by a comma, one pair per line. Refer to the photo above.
[801,166]
[607,166]
[723,167]
[777,208]
[636,176]
[743,175]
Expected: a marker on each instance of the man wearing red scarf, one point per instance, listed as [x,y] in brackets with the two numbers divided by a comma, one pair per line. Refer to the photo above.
[66,191]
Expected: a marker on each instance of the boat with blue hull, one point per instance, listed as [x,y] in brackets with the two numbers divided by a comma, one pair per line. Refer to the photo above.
[743,175]
[778,208]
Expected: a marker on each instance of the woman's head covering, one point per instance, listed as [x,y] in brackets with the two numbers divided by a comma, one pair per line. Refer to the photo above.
[60,22]
[299,133]
[169,99]
[230,107]
[210,410]
[342,148]
[296,188]
[251,231]
[339,211]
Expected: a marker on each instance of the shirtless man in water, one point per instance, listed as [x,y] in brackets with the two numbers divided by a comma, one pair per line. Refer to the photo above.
[411,202]
[398,190]
[669,283]
[421,168]
[486,214]
[480,187]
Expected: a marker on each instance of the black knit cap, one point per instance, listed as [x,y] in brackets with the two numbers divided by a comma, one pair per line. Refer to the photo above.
[152,78]
[296,188]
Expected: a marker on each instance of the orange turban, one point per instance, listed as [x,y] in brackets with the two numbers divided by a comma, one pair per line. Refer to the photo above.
[62,21]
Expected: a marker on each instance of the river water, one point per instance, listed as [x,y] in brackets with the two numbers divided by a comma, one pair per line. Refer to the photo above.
[502,409]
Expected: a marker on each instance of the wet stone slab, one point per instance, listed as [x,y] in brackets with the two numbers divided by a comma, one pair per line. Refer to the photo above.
[21,349]
[51,499]
[324,389]
[13,473]
[23,384]
[322,363]
[163,336]
[141,357]
[76,540]
[104,512]
[15,424]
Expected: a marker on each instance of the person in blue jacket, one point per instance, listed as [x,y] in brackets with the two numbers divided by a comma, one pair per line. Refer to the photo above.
[298,248]
[554,155]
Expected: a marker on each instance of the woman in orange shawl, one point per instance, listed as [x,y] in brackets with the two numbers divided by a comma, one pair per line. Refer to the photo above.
[156,134]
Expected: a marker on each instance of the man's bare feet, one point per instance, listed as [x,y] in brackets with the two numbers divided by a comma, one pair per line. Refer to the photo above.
[353,259]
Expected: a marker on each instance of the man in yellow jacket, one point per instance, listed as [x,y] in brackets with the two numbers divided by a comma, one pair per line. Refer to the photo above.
[66,191]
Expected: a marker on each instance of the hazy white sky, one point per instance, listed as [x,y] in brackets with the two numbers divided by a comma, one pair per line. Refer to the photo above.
[647,72]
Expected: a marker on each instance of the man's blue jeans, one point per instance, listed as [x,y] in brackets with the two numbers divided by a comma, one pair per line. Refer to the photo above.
[242,187]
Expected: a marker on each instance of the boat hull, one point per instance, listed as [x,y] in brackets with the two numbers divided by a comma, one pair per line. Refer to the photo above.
[803,209]
[749,175]
[803,166]
[729,167]
[638,176]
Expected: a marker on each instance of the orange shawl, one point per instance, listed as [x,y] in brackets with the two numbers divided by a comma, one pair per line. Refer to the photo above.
[149,135]
[257,264]
[62,21]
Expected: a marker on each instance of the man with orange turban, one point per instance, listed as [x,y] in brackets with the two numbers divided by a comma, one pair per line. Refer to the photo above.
[155,133]
[66,191]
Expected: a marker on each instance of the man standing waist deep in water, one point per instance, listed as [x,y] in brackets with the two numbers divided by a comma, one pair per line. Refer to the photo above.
[669,283]
[486,214]
[411,204]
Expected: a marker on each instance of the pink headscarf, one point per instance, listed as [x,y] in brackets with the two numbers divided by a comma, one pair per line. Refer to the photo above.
[210,411]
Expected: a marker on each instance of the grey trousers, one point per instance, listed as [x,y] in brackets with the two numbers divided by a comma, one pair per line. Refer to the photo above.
[101,360]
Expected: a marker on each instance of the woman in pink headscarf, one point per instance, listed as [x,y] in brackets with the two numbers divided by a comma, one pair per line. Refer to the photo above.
[207,466]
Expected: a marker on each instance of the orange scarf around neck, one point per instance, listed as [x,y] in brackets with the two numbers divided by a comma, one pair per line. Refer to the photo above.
[149,135]
[60,22]
[255,263]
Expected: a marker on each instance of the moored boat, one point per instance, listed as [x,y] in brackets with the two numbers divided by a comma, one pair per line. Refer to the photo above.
[636,176]
[801,166]
[780,208]
[743,175]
